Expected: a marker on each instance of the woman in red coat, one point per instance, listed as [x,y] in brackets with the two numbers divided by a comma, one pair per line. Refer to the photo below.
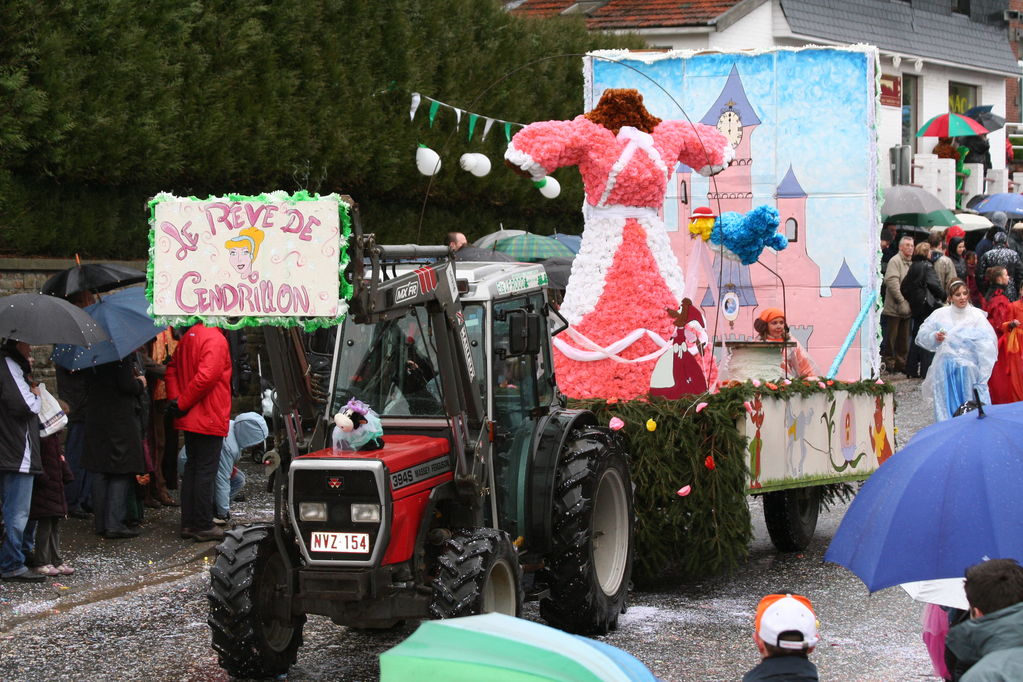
[1006,382]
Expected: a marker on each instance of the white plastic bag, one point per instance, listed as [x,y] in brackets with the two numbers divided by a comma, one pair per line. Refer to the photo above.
[51,417]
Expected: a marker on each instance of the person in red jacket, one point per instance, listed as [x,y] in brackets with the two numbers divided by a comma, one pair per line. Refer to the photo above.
[199,392]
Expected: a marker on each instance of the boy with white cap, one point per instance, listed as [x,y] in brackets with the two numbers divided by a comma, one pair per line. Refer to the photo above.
[785,631]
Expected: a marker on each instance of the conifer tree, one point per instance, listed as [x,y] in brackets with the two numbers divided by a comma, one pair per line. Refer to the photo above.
[108,102]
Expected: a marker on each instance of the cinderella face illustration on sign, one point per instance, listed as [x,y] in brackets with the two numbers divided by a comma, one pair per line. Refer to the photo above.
[242,251]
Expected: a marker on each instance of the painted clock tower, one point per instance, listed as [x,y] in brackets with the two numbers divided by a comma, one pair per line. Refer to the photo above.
[734,116]
[732,189]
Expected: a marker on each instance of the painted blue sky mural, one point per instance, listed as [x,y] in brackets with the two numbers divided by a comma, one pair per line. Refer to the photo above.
[816,115]
[812,111]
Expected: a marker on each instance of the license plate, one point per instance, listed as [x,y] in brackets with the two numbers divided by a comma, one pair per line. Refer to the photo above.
[345,543]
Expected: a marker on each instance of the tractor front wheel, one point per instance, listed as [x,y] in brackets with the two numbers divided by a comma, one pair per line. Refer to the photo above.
[478,572]
[254,632]
[590,563]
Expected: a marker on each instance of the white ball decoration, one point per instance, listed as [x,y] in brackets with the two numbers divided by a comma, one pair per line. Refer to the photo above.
[427,160]
[477,164]
[548,186]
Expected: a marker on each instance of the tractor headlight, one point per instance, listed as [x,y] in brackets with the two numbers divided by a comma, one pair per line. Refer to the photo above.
[312,511]
[366,513]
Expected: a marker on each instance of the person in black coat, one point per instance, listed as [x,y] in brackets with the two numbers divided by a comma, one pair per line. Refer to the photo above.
[49,506]
[924,293]
[113,442]
[957,252]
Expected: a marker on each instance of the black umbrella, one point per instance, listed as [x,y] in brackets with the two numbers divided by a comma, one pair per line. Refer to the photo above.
[558,269]
[95,277]
[976,199]
[470,253]
[983,115]
[38,318]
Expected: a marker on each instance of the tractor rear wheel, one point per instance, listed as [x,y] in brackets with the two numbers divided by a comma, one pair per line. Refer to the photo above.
[253,631]
[791,517]
[590,563]
[478,572]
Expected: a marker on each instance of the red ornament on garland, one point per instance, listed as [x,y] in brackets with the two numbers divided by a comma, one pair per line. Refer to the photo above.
[709,462]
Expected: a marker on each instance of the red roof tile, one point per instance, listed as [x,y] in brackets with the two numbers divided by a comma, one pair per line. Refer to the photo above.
[637,14]
[543,8]
[657,13]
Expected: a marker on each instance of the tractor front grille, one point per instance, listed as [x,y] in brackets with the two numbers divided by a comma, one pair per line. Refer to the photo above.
[339,485]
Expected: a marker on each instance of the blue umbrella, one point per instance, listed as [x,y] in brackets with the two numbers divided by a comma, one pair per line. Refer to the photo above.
[1010,203]
[572,241]
[125,318]
[946,501]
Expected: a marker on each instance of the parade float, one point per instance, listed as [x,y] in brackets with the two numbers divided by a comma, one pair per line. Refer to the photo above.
[728,185]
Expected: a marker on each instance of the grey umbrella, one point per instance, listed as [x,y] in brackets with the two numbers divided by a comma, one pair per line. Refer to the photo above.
[905,199]
[558,269]
[470,252]
[38,319]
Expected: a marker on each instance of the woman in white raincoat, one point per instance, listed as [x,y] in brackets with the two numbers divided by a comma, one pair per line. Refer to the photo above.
[965,350]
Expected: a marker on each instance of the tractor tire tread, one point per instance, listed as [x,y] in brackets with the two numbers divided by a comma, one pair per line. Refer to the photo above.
[231,608]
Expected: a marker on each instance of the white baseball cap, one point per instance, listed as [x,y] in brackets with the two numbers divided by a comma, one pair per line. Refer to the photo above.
[780,614]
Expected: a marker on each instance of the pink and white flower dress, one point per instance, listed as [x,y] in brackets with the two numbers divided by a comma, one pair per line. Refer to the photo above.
[626,273]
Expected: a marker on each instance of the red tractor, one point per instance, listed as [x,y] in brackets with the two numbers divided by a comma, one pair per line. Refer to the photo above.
[488,489]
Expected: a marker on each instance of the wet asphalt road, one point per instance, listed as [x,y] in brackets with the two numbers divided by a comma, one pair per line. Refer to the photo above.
[137,611]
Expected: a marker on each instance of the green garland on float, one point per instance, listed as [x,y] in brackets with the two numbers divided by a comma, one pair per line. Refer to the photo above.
[708,531]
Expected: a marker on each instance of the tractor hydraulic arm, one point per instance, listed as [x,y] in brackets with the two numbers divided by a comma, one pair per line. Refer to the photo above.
[381,294]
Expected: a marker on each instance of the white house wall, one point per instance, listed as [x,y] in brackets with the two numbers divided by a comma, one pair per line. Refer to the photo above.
[766,27]
[753,31]
[933,94]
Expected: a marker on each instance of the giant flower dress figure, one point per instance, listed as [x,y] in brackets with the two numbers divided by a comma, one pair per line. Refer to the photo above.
[625,274]
[964,348]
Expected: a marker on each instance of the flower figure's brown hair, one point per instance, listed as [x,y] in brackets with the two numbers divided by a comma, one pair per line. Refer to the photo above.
[622,107]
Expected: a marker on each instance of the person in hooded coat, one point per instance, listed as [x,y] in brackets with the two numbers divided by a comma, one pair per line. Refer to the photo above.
[244,431]
[1002,255]
[965,349]
[19,455]
[113,442]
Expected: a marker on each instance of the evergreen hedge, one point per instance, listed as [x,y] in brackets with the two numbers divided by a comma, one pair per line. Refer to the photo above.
[108,102]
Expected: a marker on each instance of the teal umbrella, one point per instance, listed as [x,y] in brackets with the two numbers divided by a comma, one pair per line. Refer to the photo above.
[533,248]
[499,648]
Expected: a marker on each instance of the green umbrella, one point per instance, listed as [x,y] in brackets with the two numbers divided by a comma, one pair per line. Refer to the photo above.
[533,248]
[500,648]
